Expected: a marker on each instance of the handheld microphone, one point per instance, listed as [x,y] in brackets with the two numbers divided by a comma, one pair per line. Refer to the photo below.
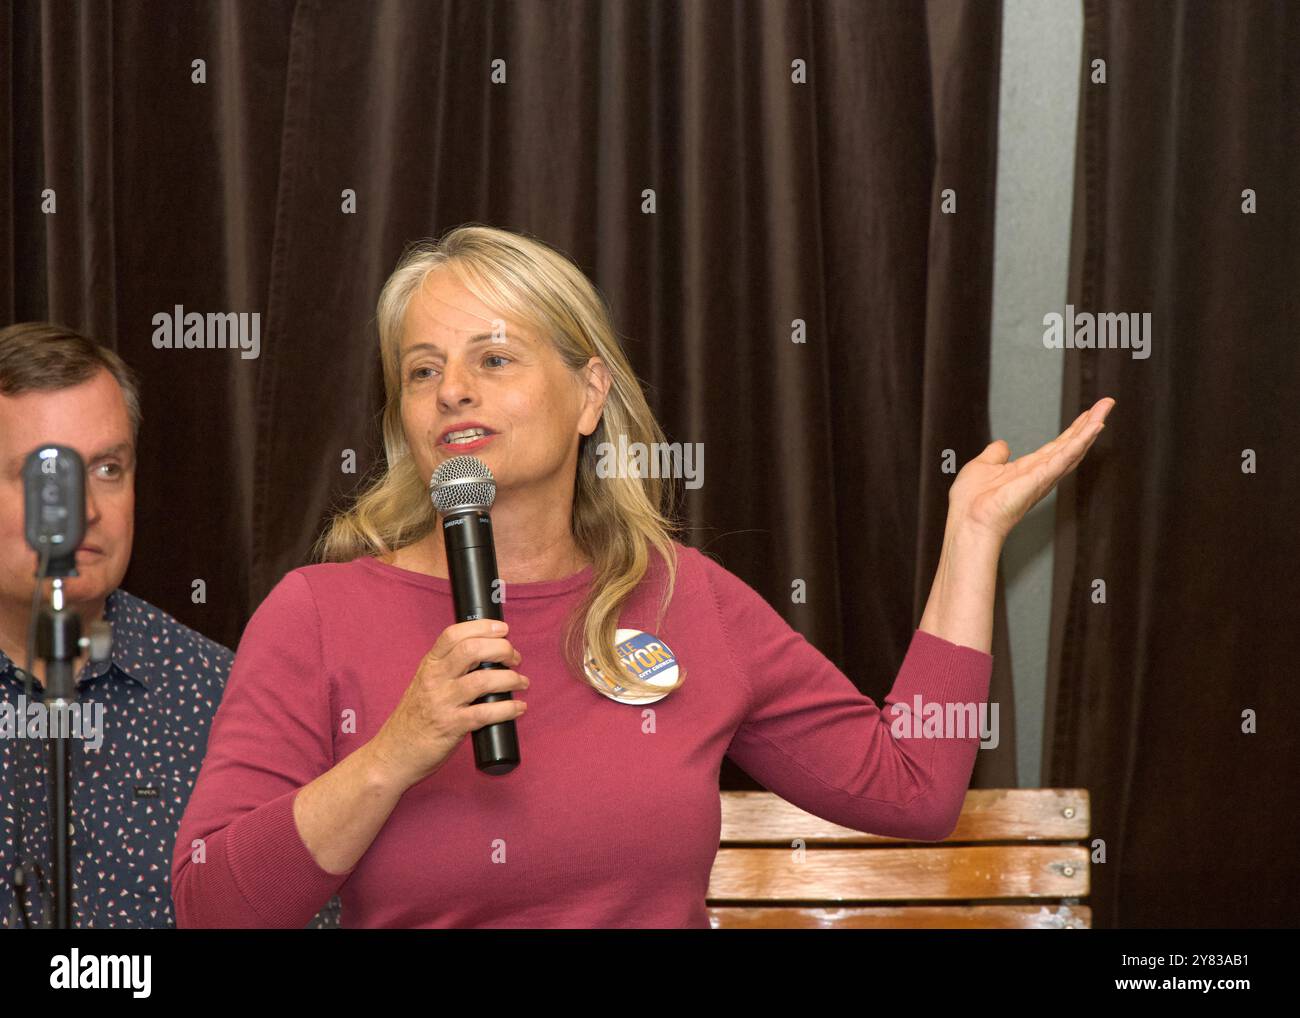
[463,490]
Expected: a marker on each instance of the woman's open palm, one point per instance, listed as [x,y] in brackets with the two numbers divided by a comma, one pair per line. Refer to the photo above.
[994,492]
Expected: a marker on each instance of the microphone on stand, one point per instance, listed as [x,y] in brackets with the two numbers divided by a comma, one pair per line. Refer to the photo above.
[54,522]
[463,490]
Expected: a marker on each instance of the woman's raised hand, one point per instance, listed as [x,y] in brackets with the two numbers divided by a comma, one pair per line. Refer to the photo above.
[993,492]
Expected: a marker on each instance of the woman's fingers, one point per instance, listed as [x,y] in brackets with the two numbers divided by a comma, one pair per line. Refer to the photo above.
[1032,460]
[1080,425]
[1057,458]
[1023,482]
[1082,430]
[1068,456]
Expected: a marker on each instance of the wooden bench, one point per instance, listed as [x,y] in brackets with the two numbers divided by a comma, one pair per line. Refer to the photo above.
[1018,859]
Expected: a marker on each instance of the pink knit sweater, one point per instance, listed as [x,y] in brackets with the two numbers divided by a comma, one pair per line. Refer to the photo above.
[612,817]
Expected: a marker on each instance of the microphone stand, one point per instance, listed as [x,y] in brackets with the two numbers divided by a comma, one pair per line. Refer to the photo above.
[58,641]
[54,523]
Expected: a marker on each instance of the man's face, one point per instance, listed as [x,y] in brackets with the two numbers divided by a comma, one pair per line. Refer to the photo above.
[91,418]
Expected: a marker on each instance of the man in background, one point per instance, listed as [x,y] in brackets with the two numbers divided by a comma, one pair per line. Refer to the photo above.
[158,691]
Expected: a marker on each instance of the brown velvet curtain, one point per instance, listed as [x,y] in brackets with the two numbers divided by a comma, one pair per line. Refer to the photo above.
[795,153]
[1174,700]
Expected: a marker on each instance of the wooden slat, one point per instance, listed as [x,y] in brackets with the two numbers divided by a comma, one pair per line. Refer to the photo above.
[977,873]
[949,917]
[1002,814]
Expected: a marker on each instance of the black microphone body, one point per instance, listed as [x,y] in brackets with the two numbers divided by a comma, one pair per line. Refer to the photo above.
[475,592]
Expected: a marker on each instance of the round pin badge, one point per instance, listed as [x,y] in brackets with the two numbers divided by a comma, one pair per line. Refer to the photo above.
[649,659]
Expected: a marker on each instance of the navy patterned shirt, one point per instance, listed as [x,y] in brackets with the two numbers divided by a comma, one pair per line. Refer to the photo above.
[158,694]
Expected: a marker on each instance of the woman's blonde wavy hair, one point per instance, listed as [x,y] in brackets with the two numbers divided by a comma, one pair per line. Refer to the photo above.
[616,520]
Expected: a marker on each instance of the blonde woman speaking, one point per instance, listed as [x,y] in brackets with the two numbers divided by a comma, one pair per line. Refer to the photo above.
[338,761]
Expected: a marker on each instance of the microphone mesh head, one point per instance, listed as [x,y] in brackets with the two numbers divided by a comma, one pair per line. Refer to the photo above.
[462,482]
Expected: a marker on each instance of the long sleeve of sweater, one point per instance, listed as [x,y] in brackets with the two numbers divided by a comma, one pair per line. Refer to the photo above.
[815,739]
[239,860]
